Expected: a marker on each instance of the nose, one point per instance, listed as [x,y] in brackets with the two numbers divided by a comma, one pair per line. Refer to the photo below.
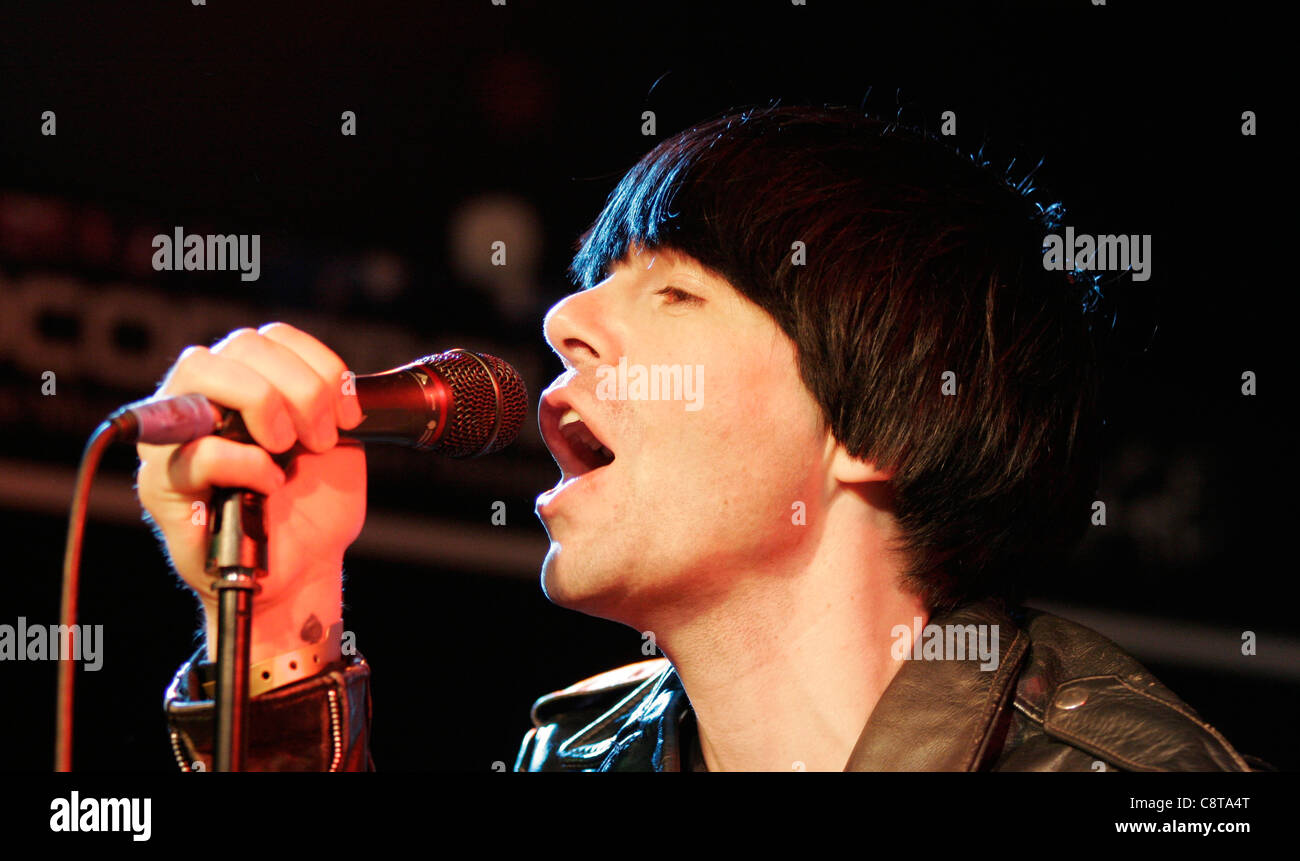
[578,327]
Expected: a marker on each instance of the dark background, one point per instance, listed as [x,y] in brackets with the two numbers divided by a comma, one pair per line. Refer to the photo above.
[225,118]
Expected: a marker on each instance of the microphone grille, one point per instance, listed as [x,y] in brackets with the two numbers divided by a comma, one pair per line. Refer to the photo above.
[483,387]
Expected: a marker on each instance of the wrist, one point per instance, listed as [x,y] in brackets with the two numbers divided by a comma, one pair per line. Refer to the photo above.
[285,668]
[296,620]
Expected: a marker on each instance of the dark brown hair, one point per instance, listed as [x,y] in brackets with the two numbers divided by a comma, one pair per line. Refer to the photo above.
[919,261]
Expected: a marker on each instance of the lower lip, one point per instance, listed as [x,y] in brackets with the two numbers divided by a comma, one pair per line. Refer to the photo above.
[549,500]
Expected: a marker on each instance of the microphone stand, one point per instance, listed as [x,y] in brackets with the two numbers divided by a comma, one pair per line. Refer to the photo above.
[237,556]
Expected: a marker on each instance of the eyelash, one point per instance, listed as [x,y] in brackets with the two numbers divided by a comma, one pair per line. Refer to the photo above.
[679,297]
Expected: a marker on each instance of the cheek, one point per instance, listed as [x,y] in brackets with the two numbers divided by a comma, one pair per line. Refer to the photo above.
[772,441]
[744,458]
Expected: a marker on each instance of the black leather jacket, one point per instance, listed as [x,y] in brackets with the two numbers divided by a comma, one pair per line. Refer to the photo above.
[1062,698]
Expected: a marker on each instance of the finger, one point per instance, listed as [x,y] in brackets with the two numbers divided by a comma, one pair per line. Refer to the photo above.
[235,385]
[326,363]
[308,396]
[213,461]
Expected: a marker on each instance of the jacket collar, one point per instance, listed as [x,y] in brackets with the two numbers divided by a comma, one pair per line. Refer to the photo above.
[942,715]
[641,733]
[936,715]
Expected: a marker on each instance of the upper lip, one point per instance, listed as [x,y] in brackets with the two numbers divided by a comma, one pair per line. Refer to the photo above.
[573,458]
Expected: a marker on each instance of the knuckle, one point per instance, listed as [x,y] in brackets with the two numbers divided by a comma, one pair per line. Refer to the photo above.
[237,341]
[278,327]
[305,394]
[186,366]
[191,352]
[187,363]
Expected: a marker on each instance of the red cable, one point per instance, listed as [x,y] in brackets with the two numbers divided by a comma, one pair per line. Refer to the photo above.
[100,440]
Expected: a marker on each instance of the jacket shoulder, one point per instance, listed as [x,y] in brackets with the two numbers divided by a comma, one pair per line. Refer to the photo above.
[1079,688]
[582,708]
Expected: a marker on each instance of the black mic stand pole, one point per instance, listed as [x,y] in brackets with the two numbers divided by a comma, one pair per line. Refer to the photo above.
[237,556]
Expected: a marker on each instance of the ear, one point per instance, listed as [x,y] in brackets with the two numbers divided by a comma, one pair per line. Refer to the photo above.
[847,469]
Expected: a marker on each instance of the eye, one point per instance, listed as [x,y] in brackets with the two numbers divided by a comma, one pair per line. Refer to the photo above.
[677,296]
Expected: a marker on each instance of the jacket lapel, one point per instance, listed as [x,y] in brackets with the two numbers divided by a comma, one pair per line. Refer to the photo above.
[650,738]
[941,715]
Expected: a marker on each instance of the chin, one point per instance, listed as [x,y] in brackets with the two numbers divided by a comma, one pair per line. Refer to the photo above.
[592,592]
[561,585]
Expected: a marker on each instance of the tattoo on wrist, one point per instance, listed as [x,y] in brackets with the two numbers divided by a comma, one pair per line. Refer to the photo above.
[312,630]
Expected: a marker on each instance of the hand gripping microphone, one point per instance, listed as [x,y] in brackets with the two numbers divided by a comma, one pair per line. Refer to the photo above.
[457,403]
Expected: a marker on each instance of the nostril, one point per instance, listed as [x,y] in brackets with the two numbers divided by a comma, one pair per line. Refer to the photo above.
[579,347]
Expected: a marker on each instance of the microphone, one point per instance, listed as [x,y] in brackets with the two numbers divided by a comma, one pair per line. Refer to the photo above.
[456,403]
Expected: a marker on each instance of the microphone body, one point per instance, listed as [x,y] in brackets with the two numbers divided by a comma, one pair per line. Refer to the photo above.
[457,403]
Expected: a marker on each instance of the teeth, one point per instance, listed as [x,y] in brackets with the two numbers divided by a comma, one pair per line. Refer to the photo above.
[575,430]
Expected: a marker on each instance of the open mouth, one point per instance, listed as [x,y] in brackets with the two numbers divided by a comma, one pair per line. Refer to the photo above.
[581,451]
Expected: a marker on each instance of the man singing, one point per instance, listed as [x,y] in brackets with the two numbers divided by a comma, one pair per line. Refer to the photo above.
[824,416]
